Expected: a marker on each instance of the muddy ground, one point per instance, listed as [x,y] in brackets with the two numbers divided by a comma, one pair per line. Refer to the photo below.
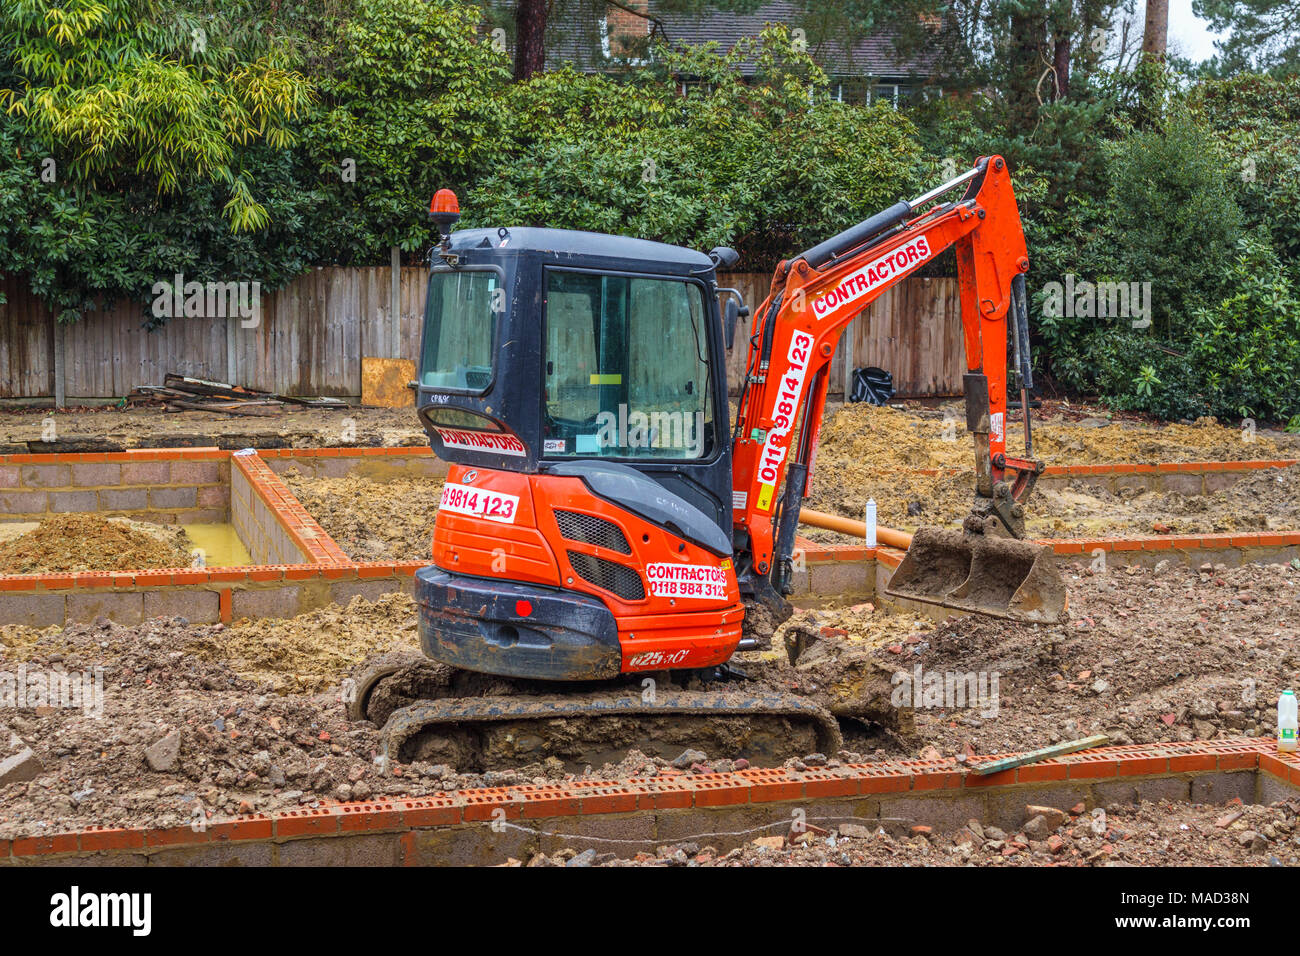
[868,452]
[912,435]
[372,519]
[249,717]
[91,542]
[107,428]
[223,720]
[865,439]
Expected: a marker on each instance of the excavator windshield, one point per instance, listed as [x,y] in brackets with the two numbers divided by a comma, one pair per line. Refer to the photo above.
[459,325]
[626,370]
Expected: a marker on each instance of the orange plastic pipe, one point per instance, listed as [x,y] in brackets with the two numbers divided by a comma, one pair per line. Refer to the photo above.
[888,536]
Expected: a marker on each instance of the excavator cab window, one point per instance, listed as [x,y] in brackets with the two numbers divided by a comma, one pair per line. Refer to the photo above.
[626,369]
[459,330]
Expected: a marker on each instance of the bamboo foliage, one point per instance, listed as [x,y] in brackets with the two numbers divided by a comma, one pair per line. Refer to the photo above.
[116,85]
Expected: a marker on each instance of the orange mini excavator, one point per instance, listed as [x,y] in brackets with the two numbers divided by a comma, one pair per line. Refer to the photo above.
[603,519]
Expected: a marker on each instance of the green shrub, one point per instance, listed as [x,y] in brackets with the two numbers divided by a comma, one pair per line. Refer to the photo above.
[407,104]
[1240,357]
[130,151]
[1132,371]
[1172,217]
[1246,346]
[1256,120]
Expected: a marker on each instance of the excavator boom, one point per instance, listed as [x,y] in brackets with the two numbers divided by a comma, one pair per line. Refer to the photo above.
[794,332]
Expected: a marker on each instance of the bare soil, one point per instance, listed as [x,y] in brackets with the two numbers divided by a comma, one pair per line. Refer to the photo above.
[867,439]
[1147,834]
[911,436]
[387,518]
[91,542]
[1148,654]
[1266,500]
[107,428]
[875,453]
[1159,654]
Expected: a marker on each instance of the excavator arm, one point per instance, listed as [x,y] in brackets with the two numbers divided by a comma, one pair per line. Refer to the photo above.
[812,300]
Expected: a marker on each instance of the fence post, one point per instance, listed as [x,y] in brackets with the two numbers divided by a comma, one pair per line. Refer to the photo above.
[394,305]
[230,348]
[60,367]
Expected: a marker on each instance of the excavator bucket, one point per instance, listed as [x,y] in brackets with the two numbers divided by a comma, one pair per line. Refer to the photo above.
[986,574]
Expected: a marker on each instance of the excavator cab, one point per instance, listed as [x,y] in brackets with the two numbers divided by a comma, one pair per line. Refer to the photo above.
[548,347]
[576,384]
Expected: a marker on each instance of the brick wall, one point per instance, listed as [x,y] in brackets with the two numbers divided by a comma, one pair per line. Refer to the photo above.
[627,31]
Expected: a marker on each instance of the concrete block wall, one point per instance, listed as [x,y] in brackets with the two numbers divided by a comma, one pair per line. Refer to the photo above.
[1186,478]
[190,486]
[376,463]
[274,527]
[203,595]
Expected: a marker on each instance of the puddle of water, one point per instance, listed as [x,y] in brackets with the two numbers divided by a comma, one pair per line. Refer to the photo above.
[221,544]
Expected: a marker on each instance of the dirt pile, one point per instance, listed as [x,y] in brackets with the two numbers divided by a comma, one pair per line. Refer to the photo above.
[869,439]
[90,542]
[389,519]
[308,653]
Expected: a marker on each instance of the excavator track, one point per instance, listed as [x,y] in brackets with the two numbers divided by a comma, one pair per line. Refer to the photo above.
[482,733]
[431,712]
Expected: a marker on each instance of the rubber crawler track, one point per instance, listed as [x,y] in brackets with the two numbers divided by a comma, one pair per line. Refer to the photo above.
[462,712]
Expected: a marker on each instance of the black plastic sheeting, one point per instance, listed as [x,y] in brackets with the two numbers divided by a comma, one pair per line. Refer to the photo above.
[872,385]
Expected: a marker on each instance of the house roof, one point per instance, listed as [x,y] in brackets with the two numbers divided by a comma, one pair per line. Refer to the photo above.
[577,41]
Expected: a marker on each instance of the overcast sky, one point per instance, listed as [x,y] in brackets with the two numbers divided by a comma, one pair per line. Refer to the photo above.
[1187,35]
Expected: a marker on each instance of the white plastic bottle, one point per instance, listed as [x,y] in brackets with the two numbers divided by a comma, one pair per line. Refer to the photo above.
[869,513]
[1288,722]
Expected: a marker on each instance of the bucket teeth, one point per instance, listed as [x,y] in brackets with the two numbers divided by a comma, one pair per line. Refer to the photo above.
[984,574]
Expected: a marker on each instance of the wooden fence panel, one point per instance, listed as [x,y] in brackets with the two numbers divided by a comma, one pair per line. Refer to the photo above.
[913,331]
[26,343]
[314,332]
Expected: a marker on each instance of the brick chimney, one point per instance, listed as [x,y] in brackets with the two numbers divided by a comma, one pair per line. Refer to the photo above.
[627,31]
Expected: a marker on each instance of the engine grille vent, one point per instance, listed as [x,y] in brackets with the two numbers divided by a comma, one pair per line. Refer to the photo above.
[592,530]
[616,578]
